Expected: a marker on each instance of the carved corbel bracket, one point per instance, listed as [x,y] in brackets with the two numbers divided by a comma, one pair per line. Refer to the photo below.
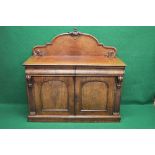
[29,81]
[119,81]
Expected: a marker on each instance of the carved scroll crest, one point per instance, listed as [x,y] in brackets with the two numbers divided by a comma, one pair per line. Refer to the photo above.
[75,32]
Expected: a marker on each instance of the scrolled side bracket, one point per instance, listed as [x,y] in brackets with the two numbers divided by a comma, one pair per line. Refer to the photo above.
[119,81]
[29,81]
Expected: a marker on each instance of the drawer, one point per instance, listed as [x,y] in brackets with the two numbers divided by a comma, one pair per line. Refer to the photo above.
[51,70]
[99,71]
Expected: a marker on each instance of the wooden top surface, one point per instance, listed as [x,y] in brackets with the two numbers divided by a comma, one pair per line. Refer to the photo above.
[74,61]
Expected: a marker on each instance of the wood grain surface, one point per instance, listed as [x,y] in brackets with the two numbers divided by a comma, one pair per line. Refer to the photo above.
[74,78]
[74,61]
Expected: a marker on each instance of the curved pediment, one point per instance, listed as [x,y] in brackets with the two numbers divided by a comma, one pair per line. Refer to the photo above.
[74,44]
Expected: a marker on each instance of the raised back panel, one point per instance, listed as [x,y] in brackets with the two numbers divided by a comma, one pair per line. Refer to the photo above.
[74,44]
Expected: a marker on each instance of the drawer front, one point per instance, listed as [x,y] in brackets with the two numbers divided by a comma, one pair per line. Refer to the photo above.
[99,71]
[74,71]
[53,95]
[50,70]
[95,95]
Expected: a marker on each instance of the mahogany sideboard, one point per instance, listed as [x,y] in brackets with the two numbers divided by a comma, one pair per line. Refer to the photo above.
[74,78]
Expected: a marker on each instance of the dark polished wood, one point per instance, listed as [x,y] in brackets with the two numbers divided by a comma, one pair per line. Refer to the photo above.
[94,95]
[74,78]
